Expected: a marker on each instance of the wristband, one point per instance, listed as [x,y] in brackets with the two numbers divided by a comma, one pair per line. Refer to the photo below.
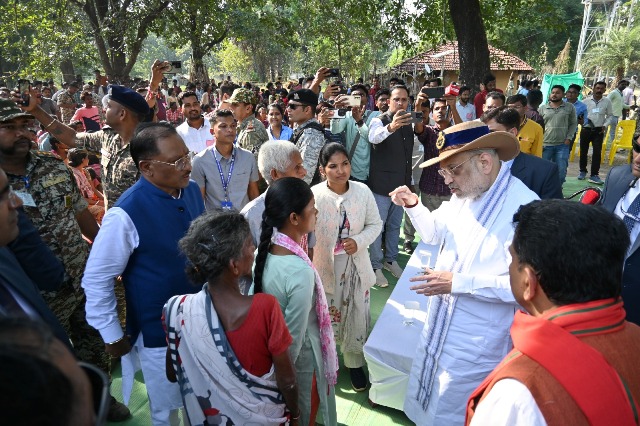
[51,123]
[360,122]
[296,417]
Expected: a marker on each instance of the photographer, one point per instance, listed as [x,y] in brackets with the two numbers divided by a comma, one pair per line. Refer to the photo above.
[355,126]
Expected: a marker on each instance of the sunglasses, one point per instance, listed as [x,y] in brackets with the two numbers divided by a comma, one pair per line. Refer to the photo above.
[294,106]
[636,147]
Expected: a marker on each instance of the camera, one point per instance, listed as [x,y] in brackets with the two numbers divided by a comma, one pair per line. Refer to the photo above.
[174,66]
[338,112]
[334,72]
[452,90]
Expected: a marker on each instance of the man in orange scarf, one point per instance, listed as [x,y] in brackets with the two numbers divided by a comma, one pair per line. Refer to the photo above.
[575,358]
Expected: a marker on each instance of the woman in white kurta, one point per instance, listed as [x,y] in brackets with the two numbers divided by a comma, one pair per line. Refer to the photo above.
[348,221]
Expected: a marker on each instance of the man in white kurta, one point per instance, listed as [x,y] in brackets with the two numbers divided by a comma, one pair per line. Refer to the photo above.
[471,307]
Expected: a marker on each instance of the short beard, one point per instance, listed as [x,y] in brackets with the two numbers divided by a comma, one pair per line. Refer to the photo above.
[477,185]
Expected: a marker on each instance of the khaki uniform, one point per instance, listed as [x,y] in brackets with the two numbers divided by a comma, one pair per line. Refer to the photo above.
[119,172]
[252,134]
[57,202]
[67,113]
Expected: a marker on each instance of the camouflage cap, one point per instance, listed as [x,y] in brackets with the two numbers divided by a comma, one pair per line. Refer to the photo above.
[9,110]
[245,96]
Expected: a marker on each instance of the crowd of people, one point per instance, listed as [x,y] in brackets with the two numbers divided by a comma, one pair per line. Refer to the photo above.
[224,240]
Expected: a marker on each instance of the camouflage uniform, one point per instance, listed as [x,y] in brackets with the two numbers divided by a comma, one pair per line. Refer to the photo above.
[119,172]
[309,144]
[252,134]
[67,113]
[58,200]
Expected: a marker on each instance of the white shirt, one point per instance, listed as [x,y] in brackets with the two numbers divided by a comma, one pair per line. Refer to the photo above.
[378,132]
[627,96]
[466,112]
[509,403]
[196,139]
[113,246]
[625,202]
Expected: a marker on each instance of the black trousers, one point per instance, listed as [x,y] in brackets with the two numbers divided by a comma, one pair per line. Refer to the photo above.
[594,136]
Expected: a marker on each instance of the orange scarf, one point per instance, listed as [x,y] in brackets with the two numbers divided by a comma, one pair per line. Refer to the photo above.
[582,371]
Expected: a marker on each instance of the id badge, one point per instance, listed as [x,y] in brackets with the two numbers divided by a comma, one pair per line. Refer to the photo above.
[27,199]
[227,205]
[595,111]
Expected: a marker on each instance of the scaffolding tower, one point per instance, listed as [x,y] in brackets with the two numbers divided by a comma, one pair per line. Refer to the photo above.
[592,30]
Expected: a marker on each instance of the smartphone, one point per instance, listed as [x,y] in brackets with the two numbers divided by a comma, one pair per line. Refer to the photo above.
[353,100]
[24,86]
[338,112]
[416,116]
[334,72]
[433,92]
[174,66]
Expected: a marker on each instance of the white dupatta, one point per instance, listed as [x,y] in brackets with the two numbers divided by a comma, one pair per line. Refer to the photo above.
[214,386]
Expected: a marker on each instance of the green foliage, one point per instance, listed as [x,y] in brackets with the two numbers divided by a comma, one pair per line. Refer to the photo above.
[38,35]
[619,53]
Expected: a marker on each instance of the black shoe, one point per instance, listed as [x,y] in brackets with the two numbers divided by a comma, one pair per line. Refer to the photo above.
[408,247]
[359,380]
[118,412]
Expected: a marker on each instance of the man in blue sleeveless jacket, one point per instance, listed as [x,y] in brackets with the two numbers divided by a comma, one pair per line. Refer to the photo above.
[139,241]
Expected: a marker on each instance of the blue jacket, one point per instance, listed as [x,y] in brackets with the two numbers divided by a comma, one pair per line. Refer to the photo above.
[615,186]
[156,269]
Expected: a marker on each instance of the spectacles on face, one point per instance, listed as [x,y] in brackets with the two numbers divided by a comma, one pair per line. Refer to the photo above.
[9,195]
[180,164]
[636,147]
[294,106]
[451,171]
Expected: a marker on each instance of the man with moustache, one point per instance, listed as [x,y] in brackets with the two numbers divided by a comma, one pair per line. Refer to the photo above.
[195,130]
[391,137]
[433,191]
[138,240]
[355,126]
[469,298]
[479,101]
[621,196]
[125,109]
[56,208]
[599,112]
[466,110]
[560,124]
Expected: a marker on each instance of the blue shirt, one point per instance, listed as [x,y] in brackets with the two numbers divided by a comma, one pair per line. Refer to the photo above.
[581,108]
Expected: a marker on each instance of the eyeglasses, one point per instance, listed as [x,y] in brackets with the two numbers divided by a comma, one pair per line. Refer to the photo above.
[100,391]
[9,195]
[180,164]
[294,106]
[451,171]
[636,147]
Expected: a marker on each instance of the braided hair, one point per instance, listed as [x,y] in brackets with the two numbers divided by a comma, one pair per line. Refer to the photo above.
[285,196]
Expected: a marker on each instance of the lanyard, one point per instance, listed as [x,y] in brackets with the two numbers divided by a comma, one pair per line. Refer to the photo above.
[26,182]
[225,184]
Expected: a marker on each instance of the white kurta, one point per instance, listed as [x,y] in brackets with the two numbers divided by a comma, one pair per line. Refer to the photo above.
[478,336]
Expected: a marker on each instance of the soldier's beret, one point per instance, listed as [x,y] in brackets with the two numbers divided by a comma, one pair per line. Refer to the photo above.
[129,99]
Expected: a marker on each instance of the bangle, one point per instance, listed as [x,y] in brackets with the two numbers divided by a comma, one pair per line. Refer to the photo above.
[116,341]
[296,417]
[51,123]
[413,205]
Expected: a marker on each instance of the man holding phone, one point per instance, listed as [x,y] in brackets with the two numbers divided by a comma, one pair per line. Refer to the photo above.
[356,127]
[391,137]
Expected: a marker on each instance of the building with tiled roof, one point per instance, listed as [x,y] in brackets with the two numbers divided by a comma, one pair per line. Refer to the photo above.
[446,57]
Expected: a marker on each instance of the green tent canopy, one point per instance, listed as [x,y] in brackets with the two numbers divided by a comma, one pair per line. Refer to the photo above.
[550,80]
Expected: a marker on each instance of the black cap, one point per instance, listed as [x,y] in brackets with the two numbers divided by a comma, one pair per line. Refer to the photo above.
[304,96]
[129,99]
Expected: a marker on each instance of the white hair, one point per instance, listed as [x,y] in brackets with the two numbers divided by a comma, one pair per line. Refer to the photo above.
[275,155]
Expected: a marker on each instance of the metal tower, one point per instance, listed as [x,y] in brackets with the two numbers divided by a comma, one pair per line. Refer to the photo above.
[605,11]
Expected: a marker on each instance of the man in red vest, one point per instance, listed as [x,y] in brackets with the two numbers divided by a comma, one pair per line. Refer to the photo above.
[574,360]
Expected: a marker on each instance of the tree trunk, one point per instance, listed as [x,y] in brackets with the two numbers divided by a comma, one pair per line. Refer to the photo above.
[68,72]
[473,48]
[198,70]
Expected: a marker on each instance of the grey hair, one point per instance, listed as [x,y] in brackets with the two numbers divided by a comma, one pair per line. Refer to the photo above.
[490,151]
[274,155]
[212,241]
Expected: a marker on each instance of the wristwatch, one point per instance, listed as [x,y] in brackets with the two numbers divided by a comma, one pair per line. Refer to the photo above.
[359,123]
